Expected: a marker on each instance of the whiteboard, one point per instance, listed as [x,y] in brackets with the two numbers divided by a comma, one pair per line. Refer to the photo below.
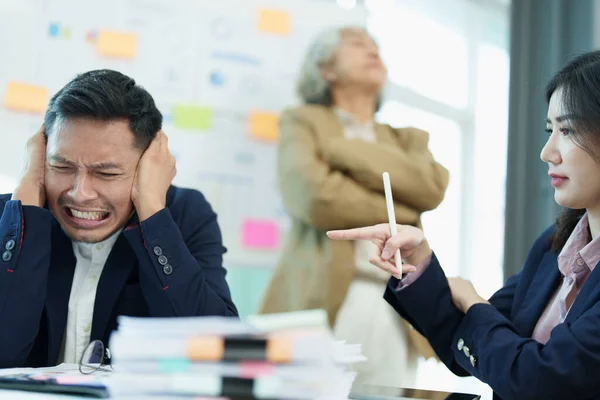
[219,56]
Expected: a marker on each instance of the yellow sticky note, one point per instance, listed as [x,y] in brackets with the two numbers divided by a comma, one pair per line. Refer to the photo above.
[274,21]
[25,97]
[192,117]
[264,125]
[117,44]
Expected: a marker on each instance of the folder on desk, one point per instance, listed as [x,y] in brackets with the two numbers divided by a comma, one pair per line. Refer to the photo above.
[193,384]
[297,345]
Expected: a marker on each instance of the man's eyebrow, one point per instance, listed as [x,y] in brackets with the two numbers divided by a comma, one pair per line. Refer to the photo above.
[104,165]
[95,166]
[61,160]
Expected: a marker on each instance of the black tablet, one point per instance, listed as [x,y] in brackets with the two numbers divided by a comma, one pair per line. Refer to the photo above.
[29,383]
[376,392]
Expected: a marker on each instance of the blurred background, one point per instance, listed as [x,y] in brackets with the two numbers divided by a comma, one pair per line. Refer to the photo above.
[471,72]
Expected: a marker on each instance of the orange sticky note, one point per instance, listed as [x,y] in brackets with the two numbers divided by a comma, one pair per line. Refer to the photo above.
[117,44]
[274,21]
[25,97]
[264,125]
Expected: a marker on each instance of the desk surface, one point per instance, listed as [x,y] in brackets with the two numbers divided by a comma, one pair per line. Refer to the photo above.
[371,393]
[400,394]
[406,394]
[364,392]
[20,395]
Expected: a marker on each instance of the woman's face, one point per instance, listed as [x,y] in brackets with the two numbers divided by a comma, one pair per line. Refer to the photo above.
[574,173]
[356,62]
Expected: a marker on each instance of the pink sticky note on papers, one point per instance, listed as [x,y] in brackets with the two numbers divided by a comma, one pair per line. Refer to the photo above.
[260,234]
[256,369]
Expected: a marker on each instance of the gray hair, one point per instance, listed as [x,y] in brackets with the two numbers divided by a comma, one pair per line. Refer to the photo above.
[311,86]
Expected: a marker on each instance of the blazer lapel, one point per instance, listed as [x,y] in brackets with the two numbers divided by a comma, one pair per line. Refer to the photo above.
[60,279]
[331,125]
[540,290]
[382,132]
[589,292]
[117,269]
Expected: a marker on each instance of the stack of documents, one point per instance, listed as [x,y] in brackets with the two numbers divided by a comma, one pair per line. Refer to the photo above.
[291,356]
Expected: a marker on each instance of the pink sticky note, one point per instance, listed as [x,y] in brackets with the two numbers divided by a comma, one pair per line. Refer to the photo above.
[73,379]
[255,369]
[260,234]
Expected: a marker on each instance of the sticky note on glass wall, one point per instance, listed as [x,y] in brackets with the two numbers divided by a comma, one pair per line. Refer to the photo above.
[187,116]
[21,96]
[264,125]
[274,21]
[260,234]
[117,44]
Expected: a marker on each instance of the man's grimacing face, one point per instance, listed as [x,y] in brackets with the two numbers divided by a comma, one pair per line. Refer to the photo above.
[90,170]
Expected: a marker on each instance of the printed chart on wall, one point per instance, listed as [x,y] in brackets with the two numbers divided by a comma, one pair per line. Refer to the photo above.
[220,72]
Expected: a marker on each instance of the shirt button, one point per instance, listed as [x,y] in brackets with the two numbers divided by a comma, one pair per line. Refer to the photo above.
[87,328]
[460,344]
[99,246]
[167,269]
[580,262]
[6,256]
[162,260]
[10,245]
[157,250]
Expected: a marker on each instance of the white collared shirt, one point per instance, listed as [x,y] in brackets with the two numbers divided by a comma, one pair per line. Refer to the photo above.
[357,130]
[354,128]
[91,258]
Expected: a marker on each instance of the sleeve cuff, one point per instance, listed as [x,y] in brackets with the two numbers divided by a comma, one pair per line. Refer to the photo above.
[157,239]
[411,277]
[467,343]
[18,223]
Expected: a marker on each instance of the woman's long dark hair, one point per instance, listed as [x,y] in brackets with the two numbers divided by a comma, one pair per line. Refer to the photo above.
[580,84]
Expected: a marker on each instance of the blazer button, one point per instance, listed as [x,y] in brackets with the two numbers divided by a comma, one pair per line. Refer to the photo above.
[157,250]
[473,360]
[167,269]
[10,245]
[162,260]
[6,256]
[466,351]
[460,344]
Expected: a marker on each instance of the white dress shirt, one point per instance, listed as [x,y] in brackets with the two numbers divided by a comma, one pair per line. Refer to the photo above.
[91,258]
[365,317]
[357,130]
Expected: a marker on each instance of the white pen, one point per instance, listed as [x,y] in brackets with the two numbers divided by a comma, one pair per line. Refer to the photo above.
[389,201]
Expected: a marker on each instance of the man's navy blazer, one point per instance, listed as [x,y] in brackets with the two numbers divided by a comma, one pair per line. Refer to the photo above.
[169,265]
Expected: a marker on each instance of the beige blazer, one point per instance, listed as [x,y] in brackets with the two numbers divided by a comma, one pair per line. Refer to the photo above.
[328,182]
